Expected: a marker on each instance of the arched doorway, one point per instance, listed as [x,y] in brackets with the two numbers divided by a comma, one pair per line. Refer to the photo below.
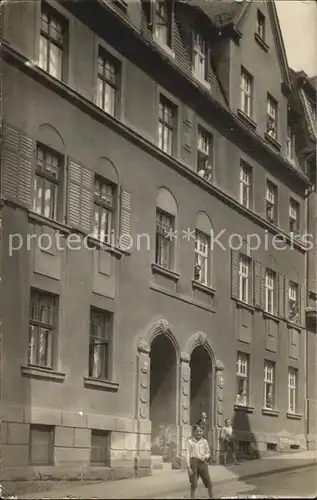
[201,384]
[163,397]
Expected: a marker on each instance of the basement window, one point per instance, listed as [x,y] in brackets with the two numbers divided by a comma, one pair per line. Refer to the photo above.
[271,446]
[100,448]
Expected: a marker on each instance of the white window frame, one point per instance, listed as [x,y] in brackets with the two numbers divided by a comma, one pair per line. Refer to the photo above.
[167,121]
[270,291]
[292,390]
[163,23]
[242,375]
[293,301]
[290,143]
[245,184]
[272,112]
[204,153]
[244,277]
[260,25]
[200,57]
[52,42]
[202,257]
[293,215]
[271,202]
[108,82]
[246,92]
[269,383]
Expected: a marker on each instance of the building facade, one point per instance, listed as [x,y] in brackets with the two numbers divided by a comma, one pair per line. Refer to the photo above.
[154,213]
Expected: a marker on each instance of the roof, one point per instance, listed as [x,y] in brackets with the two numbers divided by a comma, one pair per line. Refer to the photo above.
[308,104]
[220,12]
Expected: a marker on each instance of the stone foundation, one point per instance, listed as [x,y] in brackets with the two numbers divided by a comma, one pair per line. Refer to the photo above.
[129,450]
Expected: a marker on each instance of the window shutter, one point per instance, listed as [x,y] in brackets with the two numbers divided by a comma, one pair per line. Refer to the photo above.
[258,284]
[79,208]
[125,220]
[17,164]
[235,274]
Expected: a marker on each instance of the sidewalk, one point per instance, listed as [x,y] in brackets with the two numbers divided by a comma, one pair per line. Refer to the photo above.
[163,483]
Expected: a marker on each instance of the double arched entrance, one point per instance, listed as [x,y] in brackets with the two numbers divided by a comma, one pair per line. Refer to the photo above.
[176,388]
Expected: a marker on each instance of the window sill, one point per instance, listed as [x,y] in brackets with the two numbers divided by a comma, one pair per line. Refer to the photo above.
[291,324]
[164,46]
[45,221]
[243,305]
[105,385]
[165,272]
[271,221]
[246,119]
[270,412]
[117,251]
[42,373]
[245,408]
[202,82]
[204,288]
[271,316]
[264,46]
[276,145]
[293,416]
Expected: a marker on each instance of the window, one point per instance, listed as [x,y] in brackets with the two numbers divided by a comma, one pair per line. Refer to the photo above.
[202,271]
[242,379]
[200,57]
[47,182]
[108,83]
[163,22]
[292,390]
[260,25]
[269,380]
[271,124]
[52,42]
[290,143]
[167,118]
[100,448]
[163,239]
[99,343]
[42,328]
[104,206]
[204,154]
[293,216]
[293,302]
[271,202]
[245,184]
[41,445]
[270,291]
[244,279]
[246,92]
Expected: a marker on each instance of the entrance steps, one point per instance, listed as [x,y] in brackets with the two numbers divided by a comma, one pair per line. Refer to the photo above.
[158,465]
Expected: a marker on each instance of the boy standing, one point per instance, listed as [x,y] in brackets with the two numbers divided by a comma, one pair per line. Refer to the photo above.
[198,454]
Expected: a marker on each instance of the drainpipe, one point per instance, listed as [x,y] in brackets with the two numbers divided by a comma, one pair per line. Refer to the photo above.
[307,270]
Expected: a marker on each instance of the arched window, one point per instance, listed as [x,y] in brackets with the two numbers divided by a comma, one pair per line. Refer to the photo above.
[203,271]
[48,187]
[105,200]
[166,223]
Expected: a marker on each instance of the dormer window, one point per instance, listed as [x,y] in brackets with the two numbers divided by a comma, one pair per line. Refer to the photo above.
[271,123]
[163,23]
[200,60]
[260,25]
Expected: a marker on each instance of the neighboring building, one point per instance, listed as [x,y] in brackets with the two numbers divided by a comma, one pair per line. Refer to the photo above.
[124,125]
